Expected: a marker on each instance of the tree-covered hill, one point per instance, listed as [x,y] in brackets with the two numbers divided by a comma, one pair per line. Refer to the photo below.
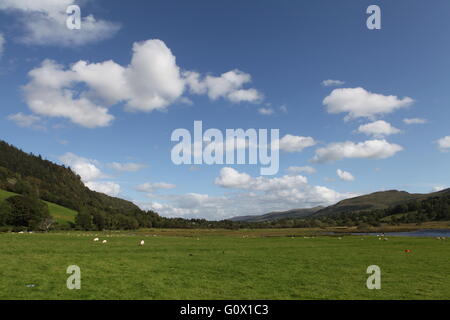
[25,173]
[33,176]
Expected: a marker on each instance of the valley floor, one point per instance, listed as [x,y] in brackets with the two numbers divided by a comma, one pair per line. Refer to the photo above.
[221,264]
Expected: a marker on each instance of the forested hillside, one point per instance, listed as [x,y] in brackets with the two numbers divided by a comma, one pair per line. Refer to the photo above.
[28,174]
[32,176]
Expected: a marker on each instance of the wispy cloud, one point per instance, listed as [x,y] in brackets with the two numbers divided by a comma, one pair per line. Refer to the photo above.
[332,83]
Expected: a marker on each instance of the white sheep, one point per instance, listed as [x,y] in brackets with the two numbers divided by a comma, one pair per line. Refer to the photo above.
[142,243]
[104,241]
[96,239]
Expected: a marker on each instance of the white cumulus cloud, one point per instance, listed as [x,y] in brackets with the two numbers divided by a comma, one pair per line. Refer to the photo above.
[153,77]
[90,174]
[84,92]
[444,144]
[231,178]
[107,187]
[228,85]
[192,205]
[360,103]
[51,93]
[378,129]
[291,143]
[86,168]
[370,149]
[345,175]
[254,195]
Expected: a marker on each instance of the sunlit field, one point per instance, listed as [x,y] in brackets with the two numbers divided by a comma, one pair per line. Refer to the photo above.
[221,264]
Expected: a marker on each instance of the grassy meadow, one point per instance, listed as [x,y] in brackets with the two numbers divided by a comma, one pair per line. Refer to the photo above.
[221,264]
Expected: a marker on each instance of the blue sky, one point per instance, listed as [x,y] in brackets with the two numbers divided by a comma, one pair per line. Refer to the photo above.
[87,99]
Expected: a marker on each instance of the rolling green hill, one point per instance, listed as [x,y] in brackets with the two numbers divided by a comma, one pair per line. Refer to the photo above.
[365,203]
[377,200]
[59,213]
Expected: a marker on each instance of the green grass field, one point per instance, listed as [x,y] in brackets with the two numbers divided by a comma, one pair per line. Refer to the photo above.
[221,265]
[59,213]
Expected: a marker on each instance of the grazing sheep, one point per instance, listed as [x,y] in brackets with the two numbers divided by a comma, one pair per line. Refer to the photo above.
[96,239]
[142,243]
[104,241]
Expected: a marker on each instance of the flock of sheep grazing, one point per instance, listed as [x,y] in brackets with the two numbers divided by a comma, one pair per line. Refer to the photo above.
[105,241]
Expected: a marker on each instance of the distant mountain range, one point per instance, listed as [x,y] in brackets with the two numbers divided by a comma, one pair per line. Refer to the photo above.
[291,214]
[377,200]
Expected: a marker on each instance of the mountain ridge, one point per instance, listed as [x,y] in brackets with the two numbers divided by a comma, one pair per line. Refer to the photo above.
[363,203]
[276,215]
